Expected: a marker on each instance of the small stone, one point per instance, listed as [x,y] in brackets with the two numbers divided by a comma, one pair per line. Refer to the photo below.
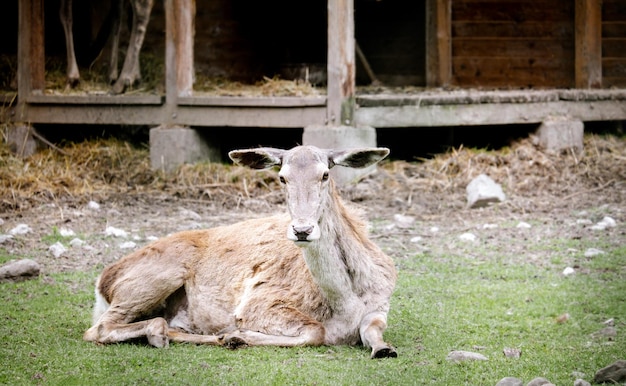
[584,221]
[482,191]
[128,245]
[403,221]
[5,238]
[66,232]
[19,270]
[568,271]
[591,252]
[57,249]
[539,381]
[510,381]
[606,222]
[93,205]
[613,373]
[609,322]
[20,229]
[469,237]
[76,242]
[490,226]
[434,229]
[609,332]
[462,356]
[523,225]
[190,214]
[116,232]
[514,353]
[1,221]
[416,239]
[581,382]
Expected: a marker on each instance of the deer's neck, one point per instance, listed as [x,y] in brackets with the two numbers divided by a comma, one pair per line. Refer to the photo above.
[340,260]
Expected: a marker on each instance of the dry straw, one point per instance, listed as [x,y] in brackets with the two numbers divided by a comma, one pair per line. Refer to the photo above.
[113,169]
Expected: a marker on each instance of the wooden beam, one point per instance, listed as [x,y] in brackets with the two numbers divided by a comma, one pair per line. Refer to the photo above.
[588,61]
[179,38]
[341,63]
[30,58]
[438,43]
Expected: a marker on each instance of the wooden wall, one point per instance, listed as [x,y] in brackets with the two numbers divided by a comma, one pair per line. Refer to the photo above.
[614,43]
[512,43]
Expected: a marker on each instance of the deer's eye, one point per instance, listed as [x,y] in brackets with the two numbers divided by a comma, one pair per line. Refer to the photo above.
[282,180]
[325,176]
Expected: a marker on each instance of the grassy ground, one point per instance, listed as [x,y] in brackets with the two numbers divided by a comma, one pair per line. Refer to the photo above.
[442,303]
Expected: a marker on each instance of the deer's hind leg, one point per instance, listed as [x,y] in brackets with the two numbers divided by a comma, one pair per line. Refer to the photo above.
[131,313]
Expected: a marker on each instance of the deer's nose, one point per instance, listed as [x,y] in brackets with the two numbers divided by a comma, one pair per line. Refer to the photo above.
[302,231]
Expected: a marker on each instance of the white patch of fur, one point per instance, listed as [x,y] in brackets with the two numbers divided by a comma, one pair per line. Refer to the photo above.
[101,304]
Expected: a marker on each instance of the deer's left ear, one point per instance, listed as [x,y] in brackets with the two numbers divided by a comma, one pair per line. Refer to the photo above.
[357,158]
[261,158]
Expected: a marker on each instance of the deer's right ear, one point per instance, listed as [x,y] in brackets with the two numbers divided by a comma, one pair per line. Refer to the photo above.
[261,158]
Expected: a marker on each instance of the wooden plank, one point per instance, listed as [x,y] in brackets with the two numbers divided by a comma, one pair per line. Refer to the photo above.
[124,99]
[341,62]
[522,47]
[561,30]
[438,43]
[588,59]
[487,114]
[614,29]
[30,58]
[200,100]
[614,48]
[613,10]
[518,11]
[614,67]
[184,26]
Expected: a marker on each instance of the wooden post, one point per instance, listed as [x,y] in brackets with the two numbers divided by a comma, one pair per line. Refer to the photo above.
[30,57]
[588,26]
[341,63]
[179,38]
[438,43]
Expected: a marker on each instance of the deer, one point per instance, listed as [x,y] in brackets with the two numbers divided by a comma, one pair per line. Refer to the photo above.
[308,277]
[130,73]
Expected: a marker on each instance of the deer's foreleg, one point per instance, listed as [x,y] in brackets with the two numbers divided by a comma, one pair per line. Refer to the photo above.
[372,327]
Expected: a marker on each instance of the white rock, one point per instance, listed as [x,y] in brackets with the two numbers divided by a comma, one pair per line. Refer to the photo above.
[20,229]
[606,222]
[93,205]
[461,356]
[434,229]
[1,221]
[76,242]
[190,214]
[568,271]
[57,249]
[416,239]
[490,226]
[5,238]
[152,238]
[584,221]
[591,252]
[470,237]
[403,221]
[128,245]
[523,225]
[482,191]
[66,232]
[115,232]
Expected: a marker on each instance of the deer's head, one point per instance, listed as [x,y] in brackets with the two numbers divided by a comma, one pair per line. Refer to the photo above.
[304,172]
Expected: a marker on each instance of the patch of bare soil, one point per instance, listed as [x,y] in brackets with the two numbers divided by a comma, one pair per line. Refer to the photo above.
[549,196]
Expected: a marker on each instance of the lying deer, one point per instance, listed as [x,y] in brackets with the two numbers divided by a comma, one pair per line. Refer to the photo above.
[130,74]
[311,278]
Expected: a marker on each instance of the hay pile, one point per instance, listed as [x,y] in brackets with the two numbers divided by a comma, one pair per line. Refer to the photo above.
[100,170]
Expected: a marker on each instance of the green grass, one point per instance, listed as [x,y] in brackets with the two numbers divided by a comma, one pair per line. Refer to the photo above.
[442,303]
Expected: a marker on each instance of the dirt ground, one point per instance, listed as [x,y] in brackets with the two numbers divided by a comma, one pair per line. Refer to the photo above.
[413,207]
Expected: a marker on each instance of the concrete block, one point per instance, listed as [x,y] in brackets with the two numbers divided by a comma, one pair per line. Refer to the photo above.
[558,134]
[342,137]
[20,139]
[171,147]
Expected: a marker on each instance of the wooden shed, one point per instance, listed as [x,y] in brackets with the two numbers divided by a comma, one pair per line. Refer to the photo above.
[378,63]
